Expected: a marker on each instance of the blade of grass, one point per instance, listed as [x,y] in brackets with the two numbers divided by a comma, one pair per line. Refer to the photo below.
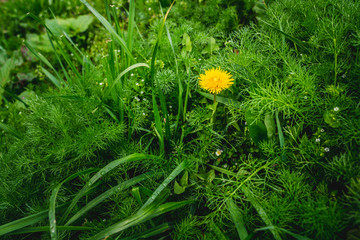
[219,234]
[99,174]
[166,182]
[118,78]
[47,228]
[131,24]
[237,219]
[26,221]
[294,235]
[120,187]
[158,125]
[10,130]
[281,136]
[141,216]
[150,232]
[162,97]
[295,40]
[260,211]
[52,205]
[42,58]
[110,29]
[52,78]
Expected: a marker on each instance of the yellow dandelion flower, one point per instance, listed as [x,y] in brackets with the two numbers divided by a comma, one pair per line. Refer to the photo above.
[215,80]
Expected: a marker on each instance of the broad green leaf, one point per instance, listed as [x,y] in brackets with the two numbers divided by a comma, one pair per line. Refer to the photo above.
[331,119]
[39,41]
[187,42]
[211,47]
[257,129]
[178,189]
[184,181]
[270,125]
[227,101]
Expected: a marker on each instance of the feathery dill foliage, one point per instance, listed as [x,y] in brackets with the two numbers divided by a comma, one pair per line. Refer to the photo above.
[280,160]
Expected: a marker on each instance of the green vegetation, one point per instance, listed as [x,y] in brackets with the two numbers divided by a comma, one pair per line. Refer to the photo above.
[106,134]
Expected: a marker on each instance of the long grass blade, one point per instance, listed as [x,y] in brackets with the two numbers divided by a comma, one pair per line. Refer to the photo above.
[110,29]
[281,136]
[131,24]
[141,216]
[294,235]
[118,78]
[52,78]
[166,182]
[102,172]
[26,221]
[42,58]
[47,228]
[237,219]
[120,187]
[150,232]
[52,205]
[260,211]
[10,130]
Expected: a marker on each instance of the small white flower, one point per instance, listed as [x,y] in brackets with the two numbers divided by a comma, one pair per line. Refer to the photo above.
[218,152]
[101,83]
[137,84]
[327,149]
[137,99]
[112,5]
[20,113]
[144,114]
[336,109]
[131,74]
[199,59]
[225,166]
[245,123]
[170,106]
[117,8]
[322,130]
[142,92]
[150,9]
[305,97]
[144,99]
[142,80]
[317,140]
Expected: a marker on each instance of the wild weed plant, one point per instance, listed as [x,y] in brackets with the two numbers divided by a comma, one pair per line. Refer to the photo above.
[126,144]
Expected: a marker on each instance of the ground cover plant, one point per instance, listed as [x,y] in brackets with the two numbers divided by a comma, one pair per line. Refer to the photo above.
[180,120]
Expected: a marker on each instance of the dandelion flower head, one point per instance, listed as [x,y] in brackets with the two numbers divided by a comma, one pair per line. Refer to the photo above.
[215,80]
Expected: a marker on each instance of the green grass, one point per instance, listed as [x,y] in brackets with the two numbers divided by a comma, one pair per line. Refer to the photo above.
[105,132]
